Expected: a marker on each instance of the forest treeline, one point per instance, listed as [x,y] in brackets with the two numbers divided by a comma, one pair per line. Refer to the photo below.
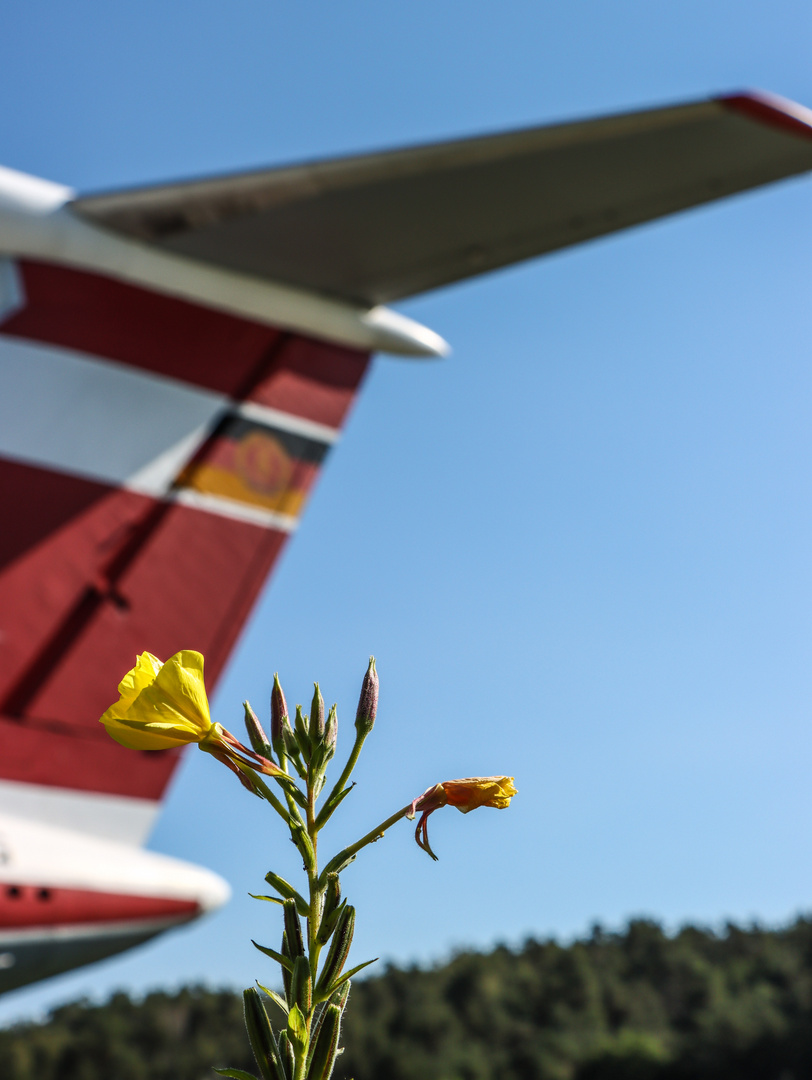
[633,1005]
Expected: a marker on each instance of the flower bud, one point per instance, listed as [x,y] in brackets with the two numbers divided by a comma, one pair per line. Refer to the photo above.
[339,951]
[339,1000]
[326,1045]
[279,717]
[293,930]
[286,973]
[302,734]
[301,985]
[289,739]
[316,716]
[331,910]
[368,701]
[286,1053]
[260,1036]
[331,730]
[256,734]
[332,895]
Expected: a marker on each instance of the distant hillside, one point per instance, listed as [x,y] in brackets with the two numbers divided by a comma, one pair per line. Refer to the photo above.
[637,1005]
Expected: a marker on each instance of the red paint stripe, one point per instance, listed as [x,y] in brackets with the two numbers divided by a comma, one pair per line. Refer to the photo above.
[32,906]
[84,759]
[111,320]
[314,380]
[115,321]
[774,111]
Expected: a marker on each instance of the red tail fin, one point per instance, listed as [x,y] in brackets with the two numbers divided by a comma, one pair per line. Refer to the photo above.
[155,458]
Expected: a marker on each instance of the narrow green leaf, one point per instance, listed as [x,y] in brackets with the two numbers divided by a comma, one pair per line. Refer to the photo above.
[236,1074]
[336,865]
[287,891]
[288,784]
[283,961]
[298,764]
[349,974]
[331,806]
[277,999]
[272,899]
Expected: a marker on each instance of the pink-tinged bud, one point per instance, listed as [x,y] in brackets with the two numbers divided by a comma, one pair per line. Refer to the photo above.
[279,716]
[256,734]
[316,716]
[368,701]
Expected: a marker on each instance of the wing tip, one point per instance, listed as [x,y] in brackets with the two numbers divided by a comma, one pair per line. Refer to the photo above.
[771,109]
[395,333]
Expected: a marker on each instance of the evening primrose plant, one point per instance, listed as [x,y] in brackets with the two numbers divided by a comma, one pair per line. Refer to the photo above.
[165,705]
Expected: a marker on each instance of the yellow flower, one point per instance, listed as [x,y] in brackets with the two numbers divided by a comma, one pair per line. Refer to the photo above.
[477,791]
[466,795]
[165,705]
[161,705]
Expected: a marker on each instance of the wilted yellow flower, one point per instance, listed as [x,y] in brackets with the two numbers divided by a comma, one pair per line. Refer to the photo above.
[161,705]
[165,705]
[477,791]
[466,795]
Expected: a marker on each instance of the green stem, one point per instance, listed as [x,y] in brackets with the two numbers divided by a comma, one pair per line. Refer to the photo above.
[269,796]
[341,783]
[313,918]
[313,882]
[375,834]
[293,809]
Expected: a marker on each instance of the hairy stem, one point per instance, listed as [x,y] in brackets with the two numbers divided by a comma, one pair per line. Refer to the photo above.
[350,852]
[341,783]
[269,796]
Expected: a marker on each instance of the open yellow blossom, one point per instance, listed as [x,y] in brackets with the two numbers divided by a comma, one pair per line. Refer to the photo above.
[466,795]
[161,705]
[165,705]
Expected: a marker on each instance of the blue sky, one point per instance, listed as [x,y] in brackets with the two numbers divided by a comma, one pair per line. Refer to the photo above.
[588,559]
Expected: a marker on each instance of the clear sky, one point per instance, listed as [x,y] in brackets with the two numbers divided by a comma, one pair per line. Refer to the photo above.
[587,558]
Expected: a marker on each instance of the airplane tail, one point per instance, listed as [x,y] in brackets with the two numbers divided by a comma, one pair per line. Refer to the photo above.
[157,454]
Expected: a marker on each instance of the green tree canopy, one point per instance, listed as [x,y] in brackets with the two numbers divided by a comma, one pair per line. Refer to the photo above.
[634,1005]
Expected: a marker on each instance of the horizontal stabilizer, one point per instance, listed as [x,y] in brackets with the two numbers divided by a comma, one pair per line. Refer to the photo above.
[378,227]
